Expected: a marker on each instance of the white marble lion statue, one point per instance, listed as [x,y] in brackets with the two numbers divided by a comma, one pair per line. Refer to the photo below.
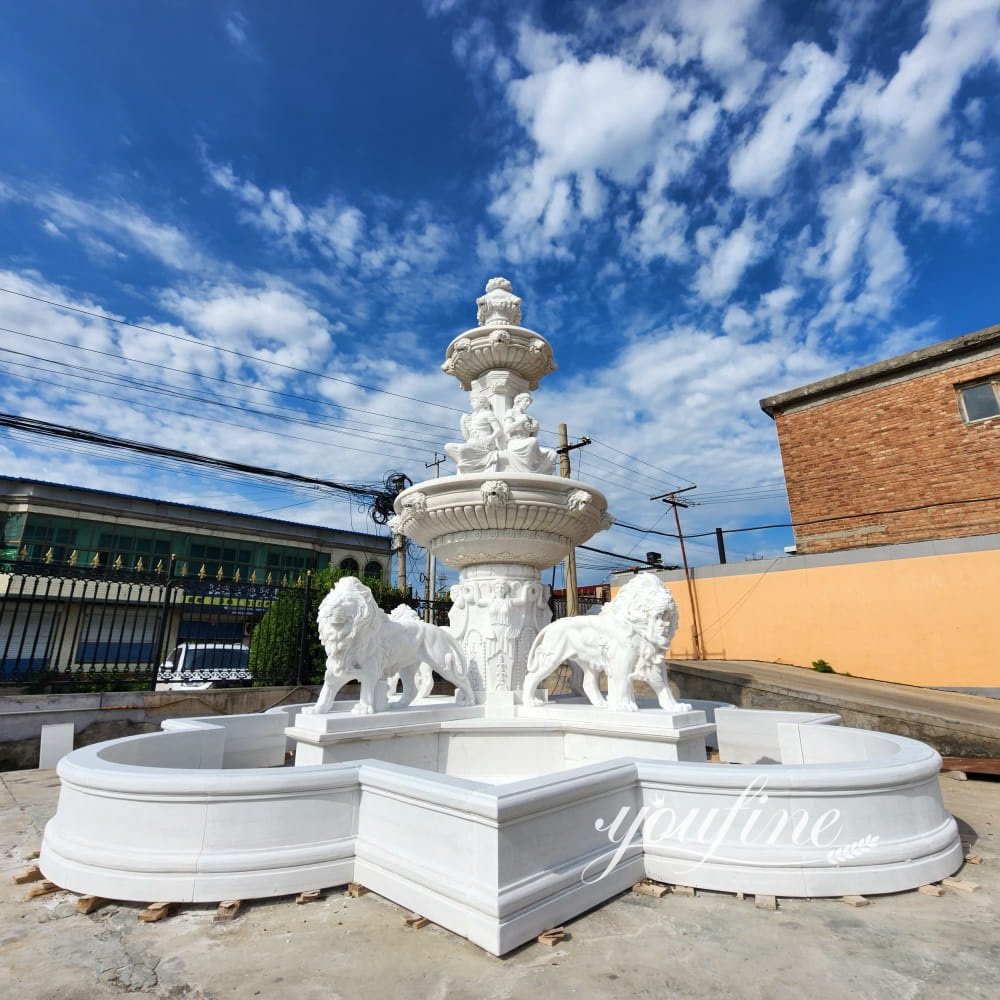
[627,641]
[363,643]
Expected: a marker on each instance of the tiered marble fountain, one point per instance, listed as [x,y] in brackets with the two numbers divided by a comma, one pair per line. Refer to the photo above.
[499,813]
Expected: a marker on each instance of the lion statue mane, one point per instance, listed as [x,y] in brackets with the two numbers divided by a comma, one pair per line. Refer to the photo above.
[627,640]
[363,643]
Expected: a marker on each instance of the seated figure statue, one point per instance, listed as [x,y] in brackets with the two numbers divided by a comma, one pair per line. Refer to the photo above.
[523,452]
[480,451]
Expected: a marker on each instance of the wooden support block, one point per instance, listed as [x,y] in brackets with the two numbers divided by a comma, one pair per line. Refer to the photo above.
[931,890]
[855,900]
[973,859]
[30,874]
[765,902]
[647,888]
[552,937]
[227,910]
[155,912]
[42,888]
[416,921]
[32,855]
[309,896]
[684,890]
[88,904]
[356,889]
[961,884]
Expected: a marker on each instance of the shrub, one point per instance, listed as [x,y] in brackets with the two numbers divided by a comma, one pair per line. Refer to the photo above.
[822,667]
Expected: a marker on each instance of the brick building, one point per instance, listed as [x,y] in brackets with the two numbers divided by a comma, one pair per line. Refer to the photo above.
[904,450]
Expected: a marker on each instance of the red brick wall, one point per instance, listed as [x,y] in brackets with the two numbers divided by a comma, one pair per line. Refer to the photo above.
[901,445]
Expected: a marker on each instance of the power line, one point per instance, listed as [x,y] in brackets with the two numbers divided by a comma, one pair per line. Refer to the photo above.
[222,350]
[634,458]
[217,378]
[851,517]
[244,427]
[133,383]
[77,434]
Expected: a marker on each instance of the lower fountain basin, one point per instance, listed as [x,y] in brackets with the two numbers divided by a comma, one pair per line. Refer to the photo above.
[194,814]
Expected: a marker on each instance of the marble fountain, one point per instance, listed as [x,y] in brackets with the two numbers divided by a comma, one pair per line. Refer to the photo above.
[499,813]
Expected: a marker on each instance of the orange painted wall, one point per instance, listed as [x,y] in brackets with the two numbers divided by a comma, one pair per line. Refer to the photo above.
[930,620]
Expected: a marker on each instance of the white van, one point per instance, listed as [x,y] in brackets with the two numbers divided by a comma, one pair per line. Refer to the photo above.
[198,666]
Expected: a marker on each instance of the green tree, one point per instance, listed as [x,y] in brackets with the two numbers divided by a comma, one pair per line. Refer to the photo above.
[276,641]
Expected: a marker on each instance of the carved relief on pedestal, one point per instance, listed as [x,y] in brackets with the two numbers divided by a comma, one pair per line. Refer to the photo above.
[495,621]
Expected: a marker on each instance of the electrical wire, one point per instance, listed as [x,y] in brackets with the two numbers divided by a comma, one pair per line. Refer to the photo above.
[129,382]
[73,433]
[243,355]
[216,378]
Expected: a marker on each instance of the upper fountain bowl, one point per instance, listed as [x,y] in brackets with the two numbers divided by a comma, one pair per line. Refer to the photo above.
[499,343]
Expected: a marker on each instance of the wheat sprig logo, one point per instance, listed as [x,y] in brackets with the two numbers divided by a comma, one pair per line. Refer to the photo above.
[853,850]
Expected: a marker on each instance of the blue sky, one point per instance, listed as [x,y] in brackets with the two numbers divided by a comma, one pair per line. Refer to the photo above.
[701,202]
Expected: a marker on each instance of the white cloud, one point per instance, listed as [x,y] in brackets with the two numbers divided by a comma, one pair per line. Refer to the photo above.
[806,80]
[906,119]
[717,31]
[398,241]
[116,223]
[597,115]
[887,264]
[236,29]
[589,123]
[727,258]
[661,232]
[847,208]
[269,322]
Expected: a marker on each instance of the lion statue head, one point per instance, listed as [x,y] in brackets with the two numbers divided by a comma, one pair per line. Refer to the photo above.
[347,621]
[404,613]
[646,608]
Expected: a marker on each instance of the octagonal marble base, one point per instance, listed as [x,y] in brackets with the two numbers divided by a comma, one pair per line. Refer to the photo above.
[511,824]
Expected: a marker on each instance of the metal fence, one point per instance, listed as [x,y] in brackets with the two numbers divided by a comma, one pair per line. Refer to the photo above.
[68,628]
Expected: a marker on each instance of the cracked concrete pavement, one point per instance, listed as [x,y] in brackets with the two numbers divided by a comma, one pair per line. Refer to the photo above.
[712,946]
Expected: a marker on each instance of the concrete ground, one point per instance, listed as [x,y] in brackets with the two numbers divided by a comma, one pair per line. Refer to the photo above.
[713,946]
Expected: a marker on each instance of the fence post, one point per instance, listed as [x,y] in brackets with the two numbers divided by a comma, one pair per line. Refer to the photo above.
[161,628]
[303,628]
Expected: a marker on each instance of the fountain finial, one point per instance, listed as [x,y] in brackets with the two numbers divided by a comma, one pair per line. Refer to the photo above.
[499,306]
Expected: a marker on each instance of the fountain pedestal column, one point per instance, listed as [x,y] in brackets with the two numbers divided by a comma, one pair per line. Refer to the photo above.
[497,611]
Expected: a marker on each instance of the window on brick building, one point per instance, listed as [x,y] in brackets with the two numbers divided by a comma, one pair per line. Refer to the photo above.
[980,401]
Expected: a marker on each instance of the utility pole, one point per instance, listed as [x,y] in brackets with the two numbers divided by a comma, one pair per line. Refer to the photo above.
[671,498]
[564,470]
[399,547]
[431,567]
